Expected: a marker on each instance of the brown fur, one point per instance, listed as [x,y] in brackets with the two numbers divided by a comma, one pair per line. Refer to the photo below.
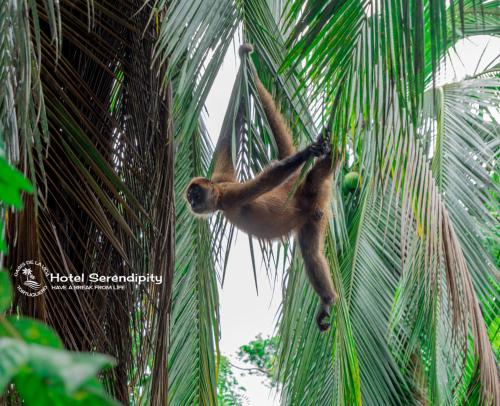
[263,207]
[276,122]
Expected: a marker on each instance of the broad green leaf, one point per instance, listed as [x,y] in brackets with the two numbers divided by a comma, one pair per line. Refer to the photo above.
[45,376]
[35,390]
[12,177]
[11,183]
[13,355]
[5,291]
[10,196]
[33,332]
[72,368]
[40,391]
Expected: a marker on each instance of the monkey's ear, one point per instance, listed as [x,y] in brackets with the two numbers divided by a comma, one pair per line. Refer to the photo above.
[245,49]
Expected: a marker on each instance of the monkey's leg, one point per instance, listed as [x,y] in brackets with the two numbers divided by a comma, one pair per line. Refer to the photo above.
[314,194]
[311,237]
[280,130]
[319,174]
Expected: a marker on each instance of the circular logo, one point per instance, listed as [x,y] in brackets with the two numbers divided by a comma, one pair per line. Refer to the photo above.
[28,278]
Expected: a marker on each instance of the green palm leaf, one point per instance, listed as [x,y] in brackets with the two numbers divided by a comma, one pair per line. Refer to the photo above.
[193,357]
[373,81]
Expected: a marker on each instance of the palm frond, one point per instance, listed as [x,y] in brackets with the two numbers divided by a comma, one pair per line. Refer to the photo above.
[193,358]
[371,62]
[466,142]
[194,38]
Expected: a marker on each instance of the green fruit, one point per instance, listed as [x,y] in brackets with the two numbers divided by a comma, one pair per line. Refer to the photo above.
[350,182]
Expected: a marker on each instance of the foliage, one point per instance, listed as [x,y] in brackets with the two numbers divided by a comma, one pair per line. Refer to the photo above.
[493,236]
[194,333]
[84,117]
[32,356]
[186,34]
[11,183]
[43,373]
[229,392]
[94,96]
[416,284]
[491,243]
[261,353]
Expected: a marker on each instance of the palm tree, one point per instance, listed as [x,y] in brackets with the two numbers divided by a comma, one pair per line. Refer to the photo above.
[85,118]
[95,95]
[417,286]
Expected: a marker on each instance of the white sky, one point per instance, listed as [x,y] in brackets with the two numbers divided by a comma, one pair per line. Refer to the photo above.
[243,313]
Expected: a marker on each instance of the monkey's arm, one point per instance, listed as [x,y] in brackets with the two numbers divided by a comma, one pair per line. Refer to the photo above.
[280,130]
[268,179]
[223,167]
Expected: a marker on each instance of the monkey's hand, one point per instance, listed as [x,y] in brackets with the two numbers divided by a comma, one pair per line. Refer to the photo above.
[323,317]
[320,147]
[245,49]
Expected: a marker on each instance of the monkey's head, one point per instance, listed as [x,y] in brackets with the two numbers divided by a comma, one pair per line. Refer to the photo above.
[202,196]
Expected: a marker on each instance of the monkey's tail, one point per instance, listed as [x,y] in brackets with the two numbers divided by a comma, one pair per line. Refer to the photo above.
[245,49]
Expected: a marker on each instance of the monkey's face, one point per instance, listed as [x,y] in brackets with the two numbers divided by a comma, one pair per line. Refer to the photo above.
[201,195]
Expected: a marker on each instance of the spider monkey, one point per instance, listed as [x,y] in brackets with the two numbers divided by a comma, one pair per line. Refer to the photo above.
[263,206]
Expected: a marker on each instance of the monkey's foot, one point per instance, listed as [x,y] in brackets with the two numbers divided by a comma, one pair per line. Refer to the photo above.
[320,147]
[323,318]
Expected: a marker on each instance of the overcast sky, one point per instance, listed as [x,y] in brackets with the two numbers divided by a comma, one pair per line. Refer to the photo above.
[243,313]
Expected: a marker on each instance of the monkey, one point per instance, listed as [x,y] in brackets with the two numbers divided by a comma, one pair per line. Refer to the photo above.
[265,207]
